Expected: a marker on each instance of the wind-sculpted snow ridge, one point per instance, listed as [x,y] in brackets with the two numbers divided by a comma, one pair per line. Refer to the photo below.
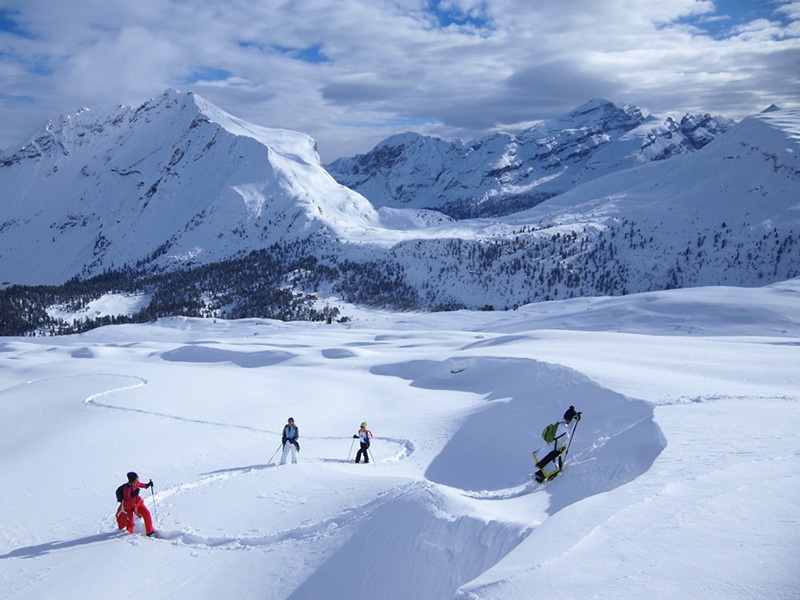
[489,456]
[433,534]
[205,354]
[180,498]
[434,549]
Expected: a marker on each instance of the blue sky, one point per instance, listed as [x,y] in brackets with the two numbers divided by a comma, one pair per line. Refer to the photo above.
[351,73]
[729,15]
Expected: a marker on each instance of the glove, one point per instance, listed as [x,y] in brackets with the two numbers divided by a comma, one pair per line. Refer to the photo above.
[283,441]
[149,484]
[355,437]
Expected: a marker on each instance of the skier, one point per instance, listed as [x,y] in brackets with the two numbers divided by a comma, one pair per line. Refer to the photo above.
[364,435]
[561,440]
[133,505]
[291,434]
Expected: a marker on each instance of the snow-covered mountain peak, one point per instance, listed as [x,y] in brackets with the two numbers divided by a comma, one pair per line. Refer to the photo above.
[786,121]
[290,143]
[174,181]
[602,114]
[170,112]
[397,148]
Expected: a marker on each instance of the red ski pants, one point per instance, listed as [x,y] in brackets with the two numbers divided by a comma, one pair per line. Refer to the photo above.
[141,510]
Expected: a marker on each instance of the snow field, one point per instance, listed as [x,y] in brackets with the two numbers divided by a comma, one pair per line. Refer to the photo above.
[682,477]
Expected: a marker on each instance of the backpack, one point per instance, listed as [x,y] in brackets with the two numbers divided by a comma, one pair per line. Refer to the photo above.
[549,433]
[121,493]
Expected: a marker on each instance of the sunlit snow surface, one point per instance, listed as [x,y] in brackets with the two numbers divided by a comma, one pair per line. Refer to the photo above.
[682,480]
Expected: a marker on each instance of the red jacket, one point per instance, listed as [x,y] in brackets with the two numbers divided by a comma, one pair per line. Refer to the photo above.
[130,495]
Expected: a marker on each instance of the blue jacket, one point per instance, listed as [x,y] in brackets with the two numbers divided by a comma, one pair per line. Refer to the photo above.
[290,432]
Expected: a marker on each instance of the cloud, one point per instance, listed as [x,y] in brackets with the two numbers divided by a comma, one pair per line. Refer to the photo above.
[354,71]
[354,90]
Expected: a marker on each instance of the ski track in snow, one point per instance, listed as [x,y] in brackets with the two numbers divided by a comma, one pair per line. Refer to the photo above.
[406,446]
[349,516]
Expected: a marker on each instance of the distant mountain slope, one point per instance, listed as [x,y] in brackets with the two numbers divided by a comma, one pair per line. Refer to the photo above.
[176,181]
[727,215]
[504,173]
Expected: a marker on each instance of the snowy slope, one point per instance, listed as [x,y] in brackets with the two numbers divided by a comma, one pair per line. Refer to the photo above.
[682,478]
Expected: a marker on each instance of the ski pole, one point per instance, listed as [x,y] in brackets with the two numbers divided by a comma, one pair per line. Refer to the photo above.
[371,456]
[572,435]
[155,510]
[351,448]
[274,453]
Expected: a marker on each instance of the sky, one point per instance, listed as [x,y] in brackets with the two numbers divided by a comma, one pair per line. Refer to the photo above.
[352,72]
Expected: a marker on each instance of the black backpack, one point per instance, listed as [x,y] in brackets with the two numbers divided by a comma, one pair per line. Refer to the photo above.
[121,494]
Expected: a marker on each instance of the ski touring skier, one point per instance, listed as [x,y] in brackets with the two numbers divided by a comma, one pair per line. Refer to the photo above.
[131,505]
[364,436]
[560,436]
[291,433]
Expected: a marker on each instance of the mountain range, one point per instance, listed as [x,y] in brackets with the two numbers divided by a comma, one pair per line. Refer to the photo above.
[178,197]
[504,173]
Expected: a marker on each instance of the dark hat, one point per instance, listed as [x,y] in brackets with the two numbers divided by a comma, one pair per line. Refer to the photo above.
[291,420]
[132,477]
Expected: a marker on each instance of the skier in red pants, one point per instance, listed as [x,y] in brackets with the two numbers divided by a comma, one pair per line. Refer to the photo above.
[132,505]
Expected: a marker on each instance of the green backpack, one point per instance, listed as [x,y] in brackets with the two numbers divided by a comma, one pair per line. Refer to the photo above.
[549,433]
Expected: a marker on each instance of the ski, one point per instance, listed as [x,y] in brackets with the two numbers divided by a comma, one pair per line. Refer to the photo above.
[542,478]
